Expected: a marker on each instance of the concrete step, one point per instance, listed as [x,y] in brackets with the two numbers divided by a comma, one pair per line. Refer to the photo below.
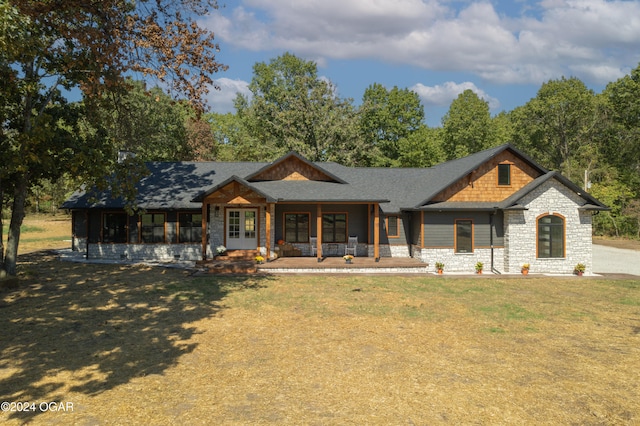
[237,255]
[232,267]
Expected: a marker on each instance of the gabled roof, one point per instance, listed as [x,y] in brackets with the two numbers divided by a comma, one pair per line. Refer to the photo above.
[513,202]
[258,175]
[452,171]
[200,197]
[169,185]
[590,202]
[183,185]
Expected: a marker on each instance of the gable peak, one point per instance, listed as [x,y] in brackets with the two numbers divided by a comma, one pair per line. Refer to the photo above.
[293,166]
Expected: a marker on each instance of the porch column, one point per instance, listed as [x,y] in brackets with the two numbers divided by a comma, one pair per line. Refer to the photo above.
[319,231]
[268,229]
[422,229]
[376,231]
[205,206]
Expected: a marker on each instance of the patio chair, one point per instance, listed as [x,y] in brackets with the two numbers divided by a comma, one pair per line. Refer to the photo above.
[352,244]
[313,245]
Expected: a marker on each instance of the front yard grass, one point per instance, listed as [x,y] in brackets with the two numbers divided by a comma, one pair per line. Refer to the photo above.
[141,345]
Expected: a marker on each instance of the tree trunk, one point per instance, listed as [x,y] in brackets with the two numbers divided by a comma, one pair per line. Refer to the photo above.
[17,215]
[615,225]
[1,233]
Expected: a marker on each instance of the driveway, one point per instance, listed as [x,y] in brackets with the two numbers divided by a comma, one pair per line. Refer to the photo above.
[611,260]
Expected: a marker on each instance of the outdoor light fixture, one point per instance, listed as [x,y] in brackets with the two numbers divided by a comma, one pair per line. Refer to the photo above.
[216,211]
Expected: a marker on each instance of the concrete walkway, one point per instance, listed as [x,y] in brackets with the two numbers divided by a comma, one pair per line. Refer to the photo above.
[611,260]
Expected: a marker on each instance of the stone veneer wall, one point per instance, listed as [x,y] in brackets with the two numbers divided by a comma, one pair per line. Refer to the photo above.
[389,250]
[216,228]
[460,262]
[521,235]
[160,252]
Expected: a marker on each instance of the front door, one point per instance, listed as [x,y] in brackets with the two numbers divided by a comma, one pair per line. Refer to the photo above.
[242,229]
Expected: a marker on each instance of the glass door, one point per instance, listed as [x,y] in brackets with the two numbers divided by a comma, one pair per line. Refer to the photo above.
[242,229]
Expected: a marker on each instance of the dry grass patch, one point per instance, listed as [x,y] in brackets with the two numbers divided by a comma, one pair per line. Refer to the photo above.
[622,243]
[40,232]
[140,345]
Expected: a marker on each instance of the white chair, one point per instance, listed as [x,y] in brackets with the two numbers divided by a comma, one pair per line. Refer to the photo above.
[313,245]
[352,244]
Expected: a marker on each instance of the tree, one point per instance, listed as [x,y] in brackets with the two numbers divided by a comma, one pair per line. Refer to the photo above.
[232,139]
[147,122]
[387,117]
[502,129]
[467,126]
[560,126]
[292,109]
[617,196]
[51,47]
[422,148]
[200,141]
[621,147]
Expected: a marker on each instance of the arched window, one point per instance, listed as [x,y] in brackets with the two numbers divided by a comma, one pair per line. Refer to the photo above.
[551,236]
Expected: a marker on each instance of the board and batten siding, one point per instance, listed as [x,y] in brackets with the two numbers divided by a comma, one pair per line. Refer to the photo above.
[356,217]
[439,228]
[403,225]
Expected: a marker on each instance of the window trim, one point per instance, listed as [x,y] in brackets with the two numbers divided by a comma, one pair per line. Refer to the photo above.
[179,227]
[102,225]
[455,236]
[284,226]
[386,224]
[509,175]
[346,227]
[164,228]
[564,235]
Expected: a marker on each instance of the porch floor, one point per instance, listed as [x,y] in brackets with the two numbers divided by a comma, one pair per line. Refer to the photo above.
[338,265]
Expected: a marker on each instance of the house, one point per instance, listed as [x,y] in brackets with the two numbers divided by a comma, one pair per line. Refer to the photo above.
[497,206]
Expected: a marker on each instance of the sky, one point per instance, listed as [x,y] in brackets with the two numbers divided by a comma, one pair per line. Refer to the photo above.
[502,50]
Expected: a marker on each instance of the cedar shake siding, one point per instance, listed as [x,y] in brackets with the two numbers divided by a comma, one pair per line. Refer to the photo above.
[482,184]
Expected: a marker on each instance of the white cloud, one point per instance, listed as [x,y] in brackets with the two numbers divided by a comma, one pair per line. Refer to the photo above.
[221,101]
[442,95]
[593,39]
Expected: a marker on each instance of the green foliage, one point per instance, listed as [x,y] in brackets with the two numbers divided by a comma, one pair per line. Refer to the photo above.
[560,125]
[388,117]
[292,109]
[621,146]
[231,138]
[467,126]
[422,148]
[47,49]
[617,196]
[145,121]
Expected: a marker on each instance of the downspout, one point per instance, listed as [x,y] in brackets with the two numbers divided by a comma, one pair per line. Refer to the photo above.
[491,226]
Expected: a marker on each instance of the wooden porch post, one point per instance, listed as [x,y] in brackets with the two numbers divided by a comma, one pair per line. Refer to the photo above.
[422,229]
[205,206]
[376,231]
[319,232]
[268,229]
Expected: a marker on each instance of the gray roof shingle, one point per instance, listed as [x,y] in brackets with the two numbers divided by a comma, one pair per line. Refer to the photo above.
[182,185]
